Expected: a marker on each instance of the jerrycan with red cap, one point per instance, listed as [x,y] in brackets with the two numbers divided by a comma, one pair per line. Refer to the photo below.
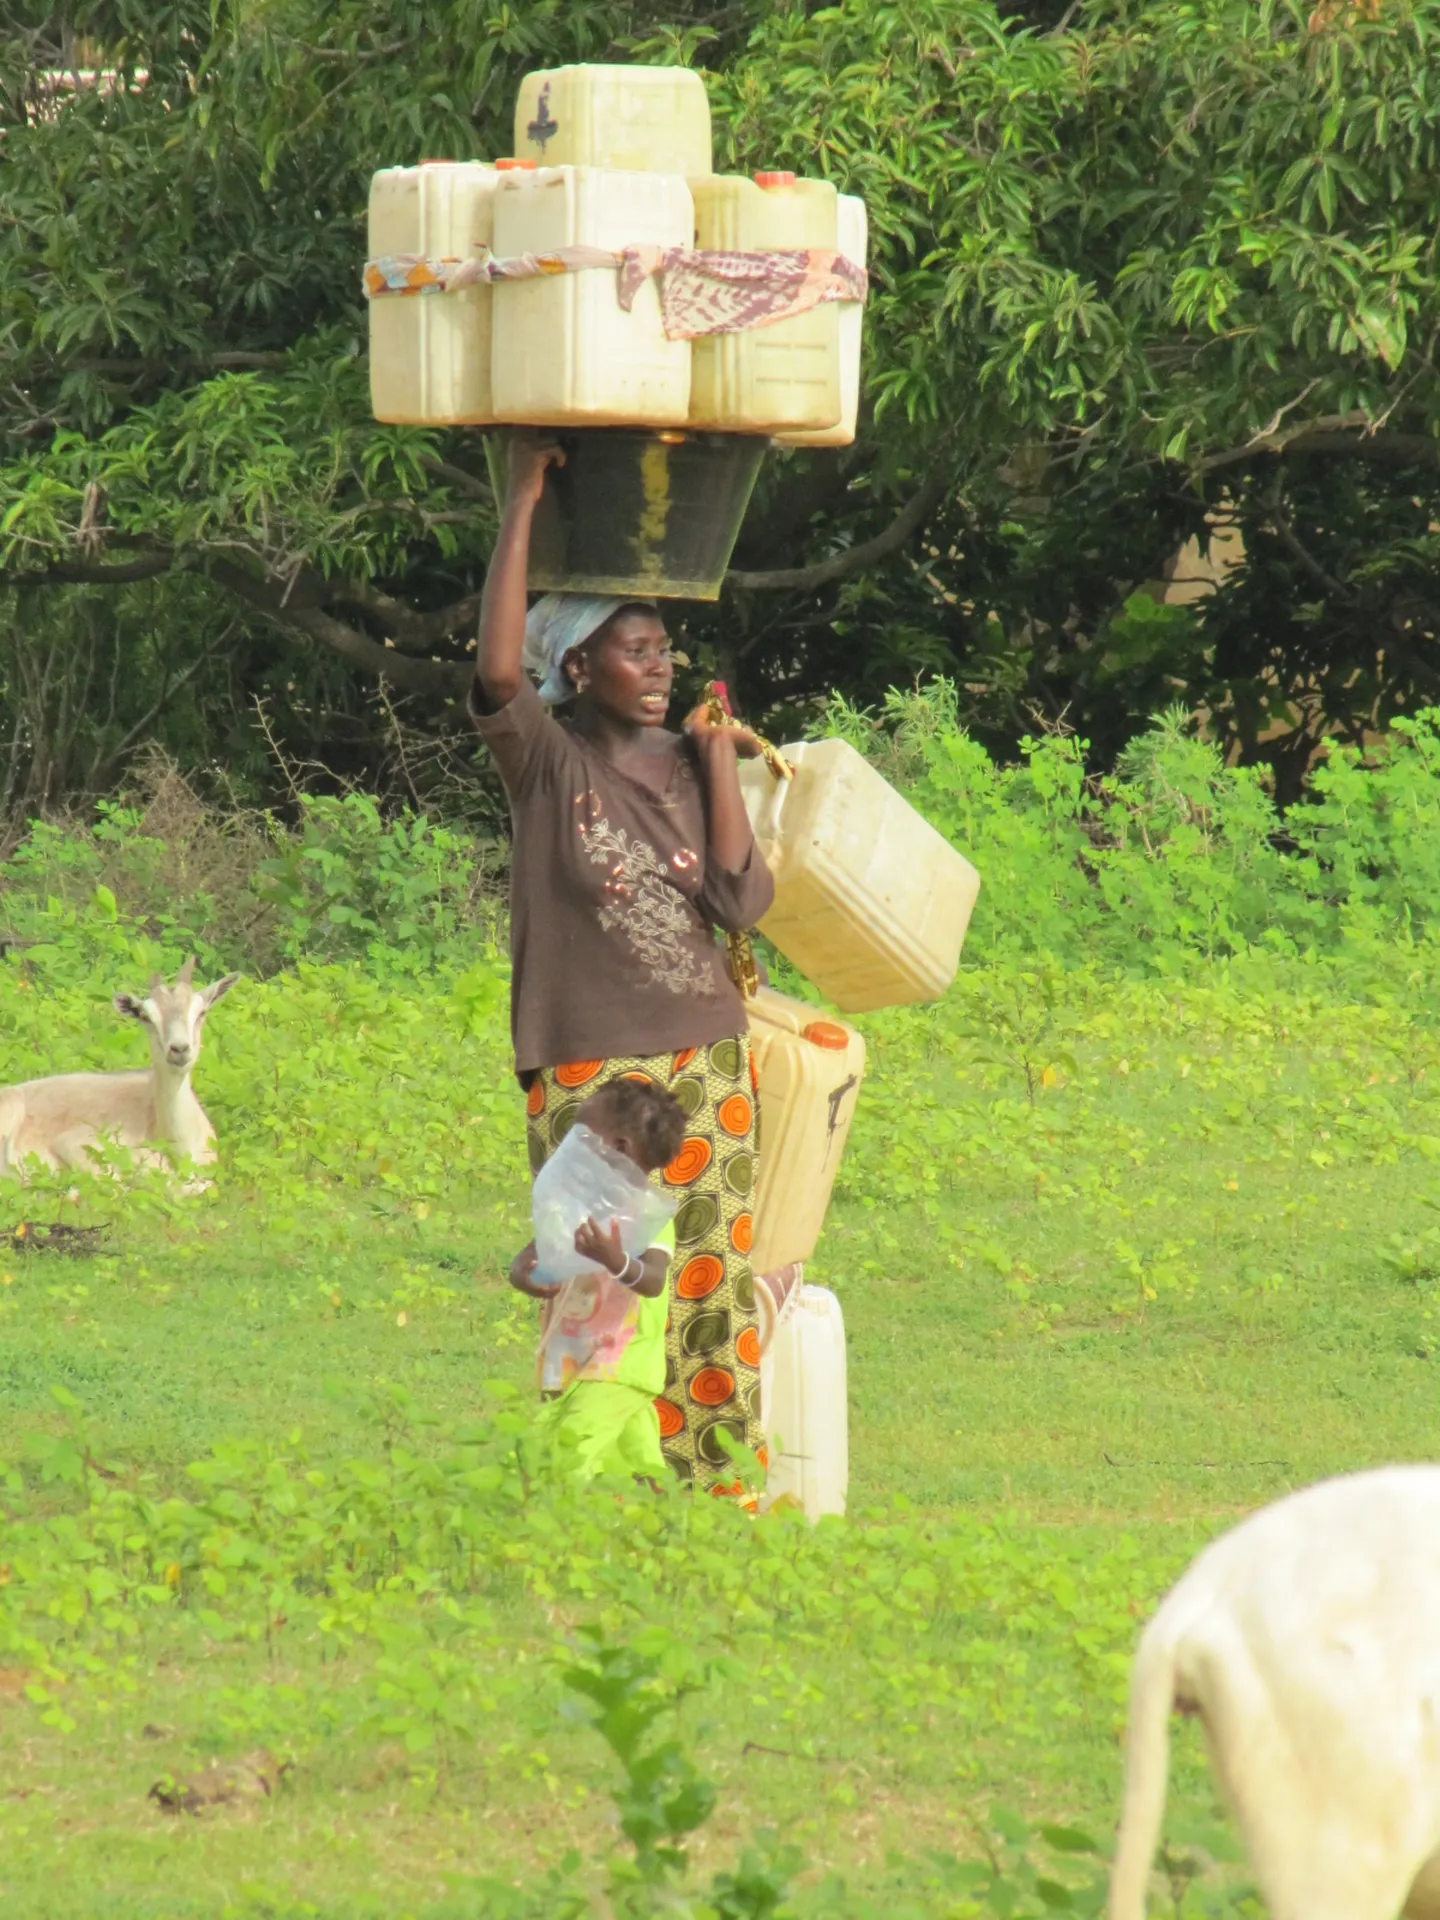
[808,1070]
[783,378]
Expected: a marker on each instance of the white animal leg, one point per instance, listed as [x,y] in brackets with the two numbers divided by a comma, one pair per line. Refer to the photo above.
[12,1113]
[71,1150]
[1147,1755]
[1324,1836]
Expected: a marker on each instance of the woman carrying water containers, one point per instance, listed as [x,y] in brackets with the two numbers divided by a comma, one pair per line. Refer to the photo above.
[631,845]
[603,284]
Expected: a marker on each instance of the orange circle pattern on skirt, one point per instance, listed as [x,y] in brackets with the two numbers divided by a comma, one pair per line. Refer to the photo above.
[712,1386]
[579,1073]
[699,1278]
[713,1394]
[691,1161]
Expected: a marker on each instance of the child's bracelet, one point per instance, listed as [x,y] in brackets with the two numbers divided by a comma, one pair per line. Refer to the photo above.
[629,1279]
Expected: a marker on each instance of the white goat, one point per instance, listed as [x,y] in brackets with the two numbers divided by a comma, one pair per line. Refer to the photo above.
[1308,1642]
[61,1120]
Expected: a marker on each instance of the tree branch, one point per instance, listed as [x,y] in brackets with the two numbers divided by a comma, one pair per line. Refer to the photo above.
[167,693]
[145,566]
[411,631]
[468,483]
[1391,449]
[1280,520]
[354,54]
[435,679]
[1352,435]
[305,611]
[908,522]
[795,504]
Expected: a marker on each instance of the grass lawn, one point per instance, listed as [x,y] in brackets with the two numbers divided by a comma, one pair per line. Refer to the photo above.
[1086,1329]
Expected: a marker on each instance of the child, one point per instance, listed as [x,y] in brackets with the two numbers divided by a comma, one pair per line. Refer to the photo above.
[602,1340]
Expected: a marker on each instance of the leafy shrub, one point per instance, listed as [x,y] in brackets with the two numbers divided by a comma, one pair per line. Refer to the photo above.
[1176,855]
[242,889]
[352,883]
[421,1569]
[423,1587]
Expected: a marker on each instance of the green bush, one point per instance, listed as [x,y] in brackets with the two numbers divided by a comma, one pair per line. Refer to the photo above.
[1088,1155]
[351,883]
[399,890]
[1176,856]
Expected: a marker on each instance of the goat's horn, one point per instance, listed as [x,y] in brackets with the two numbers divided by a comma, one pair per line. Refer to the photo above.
[155,981]
[183,978]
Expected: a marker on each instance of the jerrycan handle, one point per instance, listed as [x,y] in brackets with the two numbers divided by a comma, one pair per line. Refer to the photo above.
[779,789]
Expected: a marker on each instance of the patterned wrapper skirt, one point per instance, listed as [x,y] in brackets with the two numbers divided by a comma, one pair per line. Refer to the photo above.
[712,1342]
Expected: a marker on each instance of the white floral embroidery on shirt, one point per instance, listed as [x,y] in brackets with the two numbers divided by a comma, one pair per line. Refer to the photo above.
[658,921]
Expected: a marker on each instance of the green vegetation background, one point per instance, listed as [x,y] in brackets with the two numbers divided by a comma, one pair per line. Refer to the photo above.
[1137,1229]
[1143,271]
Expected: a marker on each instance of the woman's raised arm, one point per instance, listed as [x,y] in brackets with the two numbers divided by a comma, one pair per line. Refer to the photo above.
[502,605]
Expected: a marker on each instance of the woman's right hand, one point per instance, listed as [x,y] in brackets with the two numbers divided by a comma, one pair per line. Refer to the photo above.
[530,455]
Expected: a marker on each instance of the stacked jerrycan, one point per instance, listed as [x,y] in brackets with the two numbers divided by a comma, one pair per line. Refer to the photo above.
[803,1396]
[872,905]
[664,437]
[808,1072]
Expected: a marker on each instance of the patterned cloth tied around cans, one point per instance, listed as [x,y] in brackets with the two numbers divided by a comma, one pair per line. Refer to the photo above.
[700,292]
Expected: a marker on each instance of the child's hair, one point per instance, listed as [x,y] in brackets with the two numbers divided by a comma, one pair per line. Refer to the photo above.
[651,1119]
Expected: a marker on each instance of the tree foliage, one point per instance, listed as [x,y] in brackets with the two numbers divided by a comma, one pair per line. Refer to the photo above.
[1138,269]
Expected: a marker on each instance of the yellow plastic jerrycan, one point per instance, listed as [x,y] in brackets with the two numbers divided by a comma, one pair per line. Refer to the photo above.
[871,904]
[808,1071]
[642,119]
[853,240]
[783,378]
[430,352]
[564,352]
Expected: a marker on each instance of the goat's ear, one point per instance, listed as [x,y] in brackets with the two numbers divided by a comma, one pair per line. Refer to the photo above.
[129,1003]
[219,990]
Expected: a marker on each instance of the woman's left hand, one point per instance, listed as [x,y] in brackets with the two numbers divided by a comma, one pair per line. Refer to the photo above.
[705,732]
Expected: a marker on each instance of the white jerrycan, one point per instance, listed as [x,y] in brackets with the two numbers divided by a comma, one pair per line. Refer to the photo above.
[430,352]
[853,240]
[781,377]
[808,1071]
[641,119]
[803,1405]
[871,904]
[565,352]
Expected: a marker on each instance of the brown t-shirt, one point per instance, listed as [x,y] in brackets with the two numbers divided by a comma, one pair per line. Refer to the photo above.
[613,898]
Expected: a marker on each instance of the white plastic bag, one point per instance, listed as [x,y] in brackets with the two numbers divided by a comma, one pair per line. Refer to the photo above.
[584,1179]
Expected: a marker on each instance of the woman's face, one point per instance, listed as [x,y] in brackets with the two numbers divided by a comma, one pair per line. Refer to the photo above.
[626,670]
